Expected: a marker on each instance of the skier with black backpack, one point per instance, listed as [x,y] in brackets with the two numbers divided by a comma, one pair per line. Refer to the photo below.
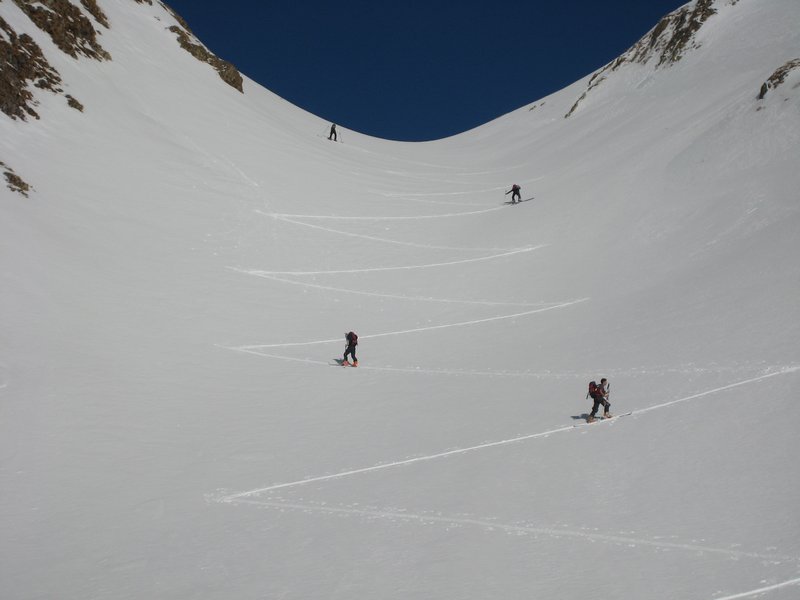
[515,194]
[352,342]
[599,394]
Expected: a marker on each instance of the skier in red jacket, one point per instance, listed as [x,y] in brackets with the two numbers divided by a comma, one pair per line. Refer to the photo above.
[599,394]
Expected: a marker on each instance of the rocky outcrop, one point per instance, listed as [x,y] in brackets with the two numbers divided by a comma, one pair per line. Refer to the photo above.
[667,42]
[72,31]
[596,80]
[181,21]
[67,26]
[778,77]
[13,181]
[191,44]
[24,67]
[672,37]
[71,101]
[96,12]
[23,64]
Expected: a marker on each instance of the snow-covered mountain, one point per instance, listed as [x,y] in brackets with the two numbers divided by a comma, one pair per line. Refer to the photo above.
[182,252]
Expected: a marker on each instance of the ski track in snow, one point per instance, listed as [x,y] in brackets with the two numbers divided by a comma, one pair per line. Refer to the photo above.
[416,370]
[460,451]
[328,288]
[422,200]
[762,590]
[401,267]
[396,218]
[245,498]
[642,371]
[514,529]
[385,240]
[416,330]
[251,497]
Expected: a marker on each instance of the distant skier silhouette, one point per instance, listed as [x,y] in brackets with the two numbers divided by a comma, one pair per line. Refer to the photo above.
[332,135]
[515,194]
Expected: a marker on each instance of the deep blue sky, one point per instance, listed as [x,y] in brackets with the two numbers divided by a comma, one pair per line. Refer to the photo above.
[418,70]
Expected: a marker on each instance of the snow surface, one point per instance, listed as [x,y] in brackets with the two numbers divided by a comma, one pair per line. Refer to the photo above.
[178,285]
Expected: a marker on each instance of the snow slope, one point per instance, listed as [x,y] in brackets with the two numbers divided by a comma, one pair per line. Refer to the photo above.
[178,285]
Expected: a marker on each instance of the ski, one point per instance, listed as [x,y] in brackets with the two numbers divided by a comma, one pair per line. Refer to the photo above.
[611,418]
[509,202]
[338,362]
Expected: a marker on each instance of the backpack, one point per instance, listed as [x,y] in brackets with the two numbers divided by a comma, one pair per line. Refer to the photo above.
[593,389]
[352,338]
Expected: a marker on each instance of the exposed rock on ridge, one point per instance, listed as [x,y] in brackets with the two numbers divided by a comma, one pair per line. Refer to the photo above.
[23,62]
[673,35]
[189,42]
[96,12]
[24,66]
[668,41]
[68,27]
[778,77]
[192,45]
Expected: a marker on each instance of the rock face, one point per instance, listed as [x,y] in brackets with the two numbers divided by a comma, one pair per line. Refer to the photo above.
[667,42]
[96,12]
[13,181]
[73,32]
[674,35]
[778,78]
[24,63]
[74,27]
[68,27]
[191,44]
